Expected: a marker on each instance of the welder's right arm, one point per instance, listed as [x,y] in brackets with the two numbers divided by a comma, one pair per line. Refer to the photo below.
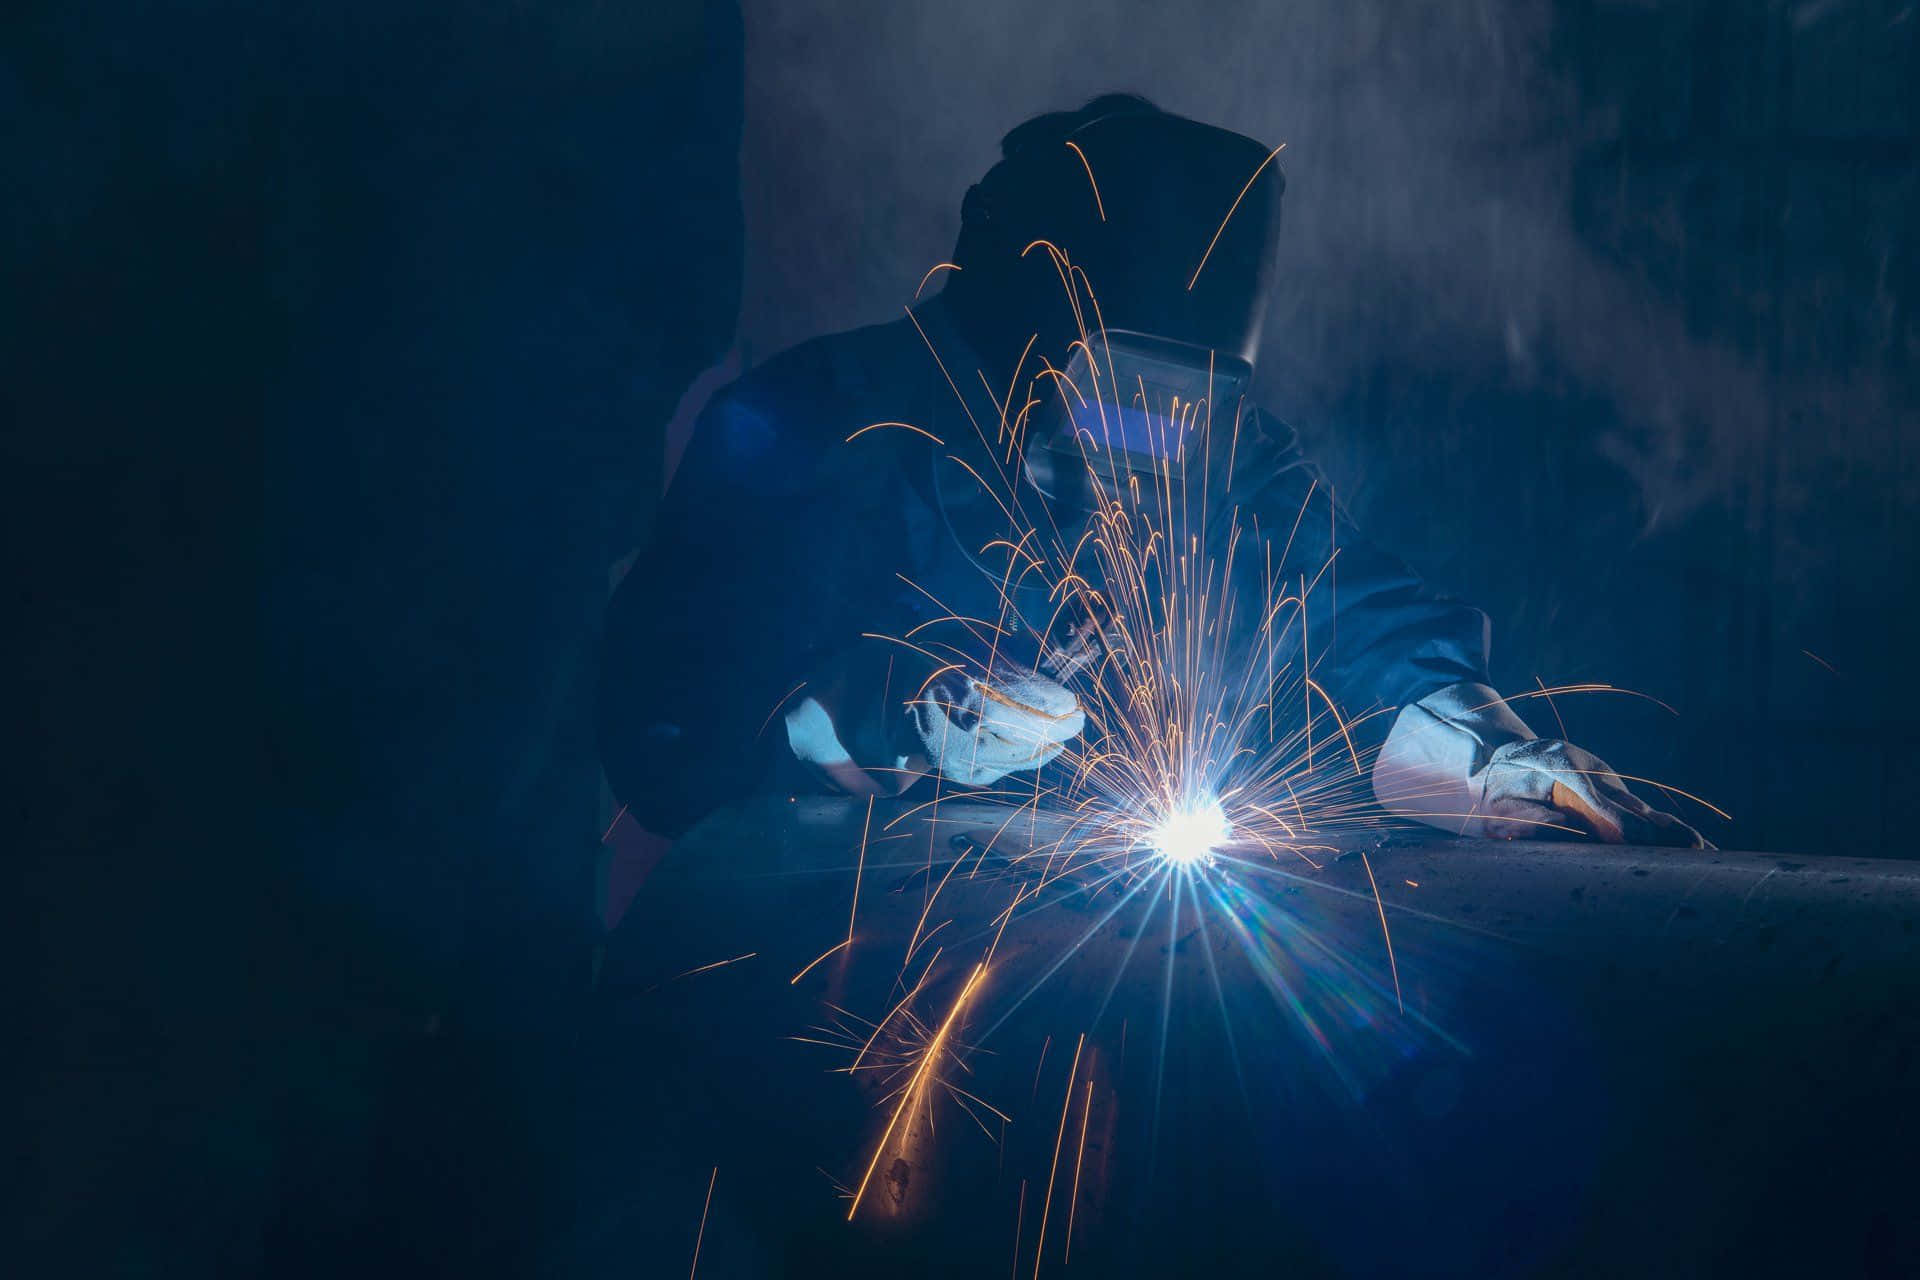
[759,574]
[744,642]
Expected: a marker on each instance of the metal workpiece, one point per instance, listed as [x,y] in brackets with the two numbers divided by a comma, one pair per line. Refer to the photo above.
[892,1038]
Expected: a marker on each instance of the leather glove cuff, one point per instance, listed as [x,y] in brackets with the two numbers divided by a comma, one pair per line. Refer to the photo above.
[1433,767]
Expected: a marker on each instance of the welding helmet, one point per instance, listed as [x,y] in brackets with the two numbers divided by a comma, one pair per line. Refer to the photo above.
[1132,204]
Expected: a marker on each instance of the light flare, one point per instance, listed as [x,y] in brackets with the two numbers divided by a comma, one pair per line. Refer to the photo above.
[1189,836]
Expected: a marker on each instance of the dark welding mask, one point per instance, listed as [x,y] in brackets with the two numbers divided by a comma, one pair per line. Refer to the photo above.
[1151,235]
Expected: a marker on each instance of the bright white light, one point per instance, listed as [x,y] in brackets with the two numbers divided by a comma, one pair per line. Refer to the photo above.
[1187,837]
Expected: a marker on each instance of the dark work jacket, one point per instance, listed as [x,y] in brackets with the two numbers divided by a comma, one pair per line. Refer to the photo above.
[781,544]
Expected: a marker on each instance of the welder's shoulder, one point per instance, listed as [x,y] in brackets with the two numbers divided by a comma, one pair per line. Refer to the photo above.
[1271,436]
[1265,451]
[780,427]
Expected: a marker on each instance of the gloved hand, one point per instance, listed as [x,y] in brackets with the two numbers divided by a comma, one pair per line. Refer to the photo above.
[1461,760]
[873,722]
[978,731]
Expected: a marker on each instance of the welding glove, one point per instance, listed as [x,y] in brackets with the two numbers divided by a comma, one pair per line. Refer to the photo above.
[1461,760]
[879,717]
[977,731]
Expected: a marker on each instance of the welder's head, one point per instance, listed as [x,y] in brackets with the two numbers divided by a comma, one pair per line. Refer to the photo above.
[1134,197]
[1151,235]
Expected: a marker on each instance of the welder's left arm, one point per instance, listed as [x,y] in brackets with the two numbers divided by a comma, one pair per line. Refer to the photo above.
[1407,664]
[1461,760]
[1369,631]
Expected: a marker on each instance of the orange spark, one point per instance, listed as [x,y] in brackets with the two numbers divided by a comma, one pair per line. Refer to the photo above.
[1066,1104]
[1381,907]
[1097,203]
[847,941]
[936,267]
[1073,1205]
[763,724]
[859,869]
[905,426]
[1019,1221]
[1229,218]
[717,964]
[713,1178]
[911,1095]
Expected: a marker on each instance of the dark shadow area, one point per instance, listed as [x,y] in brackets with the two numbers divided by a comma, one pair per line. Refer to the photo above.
[339,340]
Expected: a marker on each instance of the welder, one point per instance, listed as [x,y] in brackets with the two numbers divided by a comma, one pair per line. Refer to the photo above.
[758,641]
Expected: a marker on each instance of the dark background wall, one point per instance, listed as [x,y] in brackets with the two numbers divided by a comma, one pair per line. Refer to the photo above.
[1600,313]
[337,339]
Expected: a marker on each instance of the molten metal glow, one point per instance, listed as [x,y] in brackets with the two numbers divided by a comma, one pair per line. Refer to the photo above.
[1187,837]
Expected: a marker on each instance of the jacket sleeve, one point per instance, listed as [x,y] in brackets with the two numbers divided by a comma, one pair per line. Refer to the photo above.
[1376,636]
[764,552]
